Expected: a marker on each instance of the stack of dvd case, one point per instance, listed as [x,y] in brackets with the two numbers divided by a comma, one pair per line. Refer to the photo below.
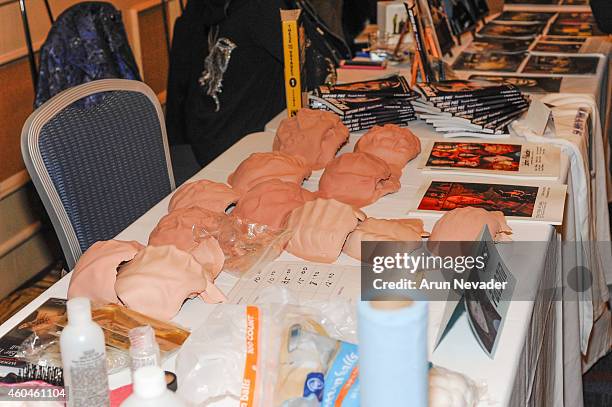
[362,105]
[461,108]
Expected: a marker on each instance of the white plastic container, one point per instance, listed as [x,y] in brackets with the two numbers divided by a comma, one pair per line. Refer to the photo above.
[150,390]
[84,357]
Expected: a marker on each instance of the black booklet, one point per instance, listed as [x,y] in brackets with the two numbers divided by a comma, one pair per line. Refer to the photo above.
[506,62]
[530,84]
[464,89]
[394,86]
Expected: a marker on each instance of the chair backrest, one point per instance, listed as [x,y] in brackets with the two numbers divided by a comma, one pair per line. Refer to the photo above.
[97,168]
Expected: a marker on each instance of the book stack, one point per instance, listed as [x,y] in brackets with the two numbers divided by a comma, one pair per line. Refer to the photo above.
[362,105]
[460,108]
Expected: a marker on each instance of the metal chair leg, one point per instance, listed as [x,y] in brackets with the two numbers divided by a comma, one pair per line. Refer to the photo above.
[28,39]
[49,12]
[164,4]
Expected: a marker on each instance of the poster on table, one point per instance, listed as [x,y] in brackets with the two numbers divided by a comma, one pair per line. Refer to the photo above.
[474,157]
[527,203]
[562,65]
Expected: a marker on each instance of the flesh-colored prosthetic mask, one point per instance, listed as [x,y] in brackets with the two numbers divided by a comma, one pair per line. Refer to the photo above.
[320,228]
[261,167]
[357,179]
[270,202]
[392,143]
[465,224]
[385,230]
[206,194]
[159,279]
[96,271]
[314,135]
[191,230]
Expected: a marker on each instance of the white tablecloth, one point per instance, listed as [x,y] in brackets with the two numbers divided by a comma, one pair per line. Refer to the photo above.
[517,362]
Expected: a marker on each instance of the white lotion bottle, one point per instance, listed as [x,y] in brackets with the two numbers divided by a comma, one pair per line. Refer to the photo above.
[84,357]
[150,390]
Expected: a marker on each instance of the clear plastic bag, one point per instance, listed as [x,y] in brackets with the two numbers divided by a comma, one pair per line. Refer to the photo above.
[44,350]
[264,354]
[245,245]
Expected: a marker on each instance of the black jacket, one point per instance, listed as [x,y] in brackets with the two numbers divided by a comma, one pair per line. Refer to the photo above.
[602,11]
[252,87]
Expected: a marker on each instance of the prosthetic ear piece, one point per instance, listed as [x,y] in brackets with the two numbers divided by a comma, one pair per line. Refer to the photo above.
[270,202]
[314,135]
[96,271]
[204,194]
[159,279]
[393,144]
[357,179]
[261,167]
[385,230]
[320,228]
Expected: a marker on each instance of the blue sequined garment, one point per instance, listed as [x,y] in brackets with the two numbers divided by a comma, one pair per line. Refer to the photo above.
[87,42]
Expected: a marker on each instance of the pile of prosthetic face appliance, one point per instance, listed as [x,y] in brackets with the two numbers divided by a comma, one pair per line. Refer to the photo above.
[201,236]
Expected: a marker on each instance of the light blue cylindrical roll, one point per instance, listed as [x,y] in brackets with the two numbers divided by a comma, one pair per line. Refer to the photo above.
[393,367]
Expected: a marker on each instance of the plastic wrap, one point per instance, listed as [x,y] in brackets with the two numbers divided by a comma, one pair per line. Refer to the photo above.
[246,245]
[263,352]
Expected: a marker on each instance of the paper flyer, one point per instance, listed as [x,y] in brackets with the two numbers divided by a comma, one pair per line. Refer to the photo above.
[527,203]
[472,157]
[305,280]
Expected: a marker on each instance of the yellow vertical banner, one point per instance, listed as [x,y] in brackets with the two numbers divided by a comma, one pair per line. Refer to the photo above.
[291,51]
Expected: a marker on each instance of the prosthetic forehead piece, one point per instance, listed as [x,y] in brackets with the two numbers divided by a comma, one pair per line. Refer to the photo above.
[192,230]
[205,194]
[314,135]
[159,279]
[270,202]
[320,228]
[465,224]
[259,167]
[372,229]
[357,179]
[393,144]
[96,271]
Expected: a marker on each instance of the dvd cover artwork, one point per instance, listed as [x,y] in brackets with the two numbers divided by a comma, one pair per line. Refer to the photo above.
[524,31]
[441,25]
[575,18]
[500,45]
[557,47]
[524,16]
[468,61]
[574,30]
[528,84]
[575,2]
[556,38]
[552,2]
[568,65]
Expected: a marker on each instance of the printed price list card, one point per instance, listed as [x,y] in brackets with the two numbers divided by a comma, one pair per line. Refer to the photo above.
[307,281]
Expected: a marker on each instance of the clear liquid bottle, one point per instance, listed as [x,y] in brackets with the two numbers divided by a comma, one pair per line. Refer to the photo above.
[84,357]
